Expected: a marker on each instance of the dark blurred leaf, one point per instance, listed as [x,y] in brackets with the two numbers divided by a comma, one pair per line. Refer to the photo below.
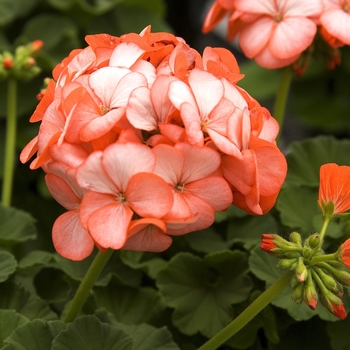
[11,10]
[298,206]
[8,265]
[307,156]
[17,298]
[34,335]
[248,230]
[9,321]
[89,333]
[16,226]
[202,291]
[206,241]
[130,305]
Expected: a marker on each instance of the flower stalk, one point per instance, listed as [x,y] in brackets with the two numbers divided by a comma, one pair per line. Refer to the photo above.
[86,284]
[249,313]
[282,96]
[10,143]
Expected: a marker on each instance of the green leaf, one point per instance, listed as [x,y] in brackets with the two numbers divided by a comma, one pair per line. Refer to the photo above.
[206,241]
[33,335]
[77,269]
[89,333]
[98,7]
[150,263]
[16,226]
[36,258]
[298,207]
[146,337]
[307,156]
[202,291]
[248,230]
[7,265]
[155,6]
[16,297]
[9,321]
[11,10]
[61,4]
[130,305]
[231,212]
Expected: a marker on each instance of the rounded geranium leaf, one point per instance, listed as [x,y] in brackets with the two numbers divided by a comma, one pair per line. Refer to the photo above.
[298,207]
[15,297]
[16,226]
[202,291]
[9,321]
[7,265]
[130,305]
[307,156]
[89,333]
[34,335]
[146,337]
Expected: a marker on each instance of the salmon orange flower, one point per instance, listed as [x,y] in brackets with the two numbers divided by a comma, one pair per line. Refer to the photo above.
[334,191]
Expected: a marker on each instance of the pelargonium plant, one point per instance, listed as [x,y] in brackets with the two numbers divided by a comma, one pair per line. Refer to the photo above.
[150,146]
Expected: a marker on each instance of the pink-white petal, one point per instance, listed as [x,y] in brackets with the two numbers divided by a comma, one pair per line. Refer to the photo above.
[149,195]
[212,189]
[125,55]
[91,176]
[108,226]
[123,160]
[292,36]
[70,239]
[169,163]
[140,111]
[255,36]
[337,23]
[199,161]
[207,89]
[179,92]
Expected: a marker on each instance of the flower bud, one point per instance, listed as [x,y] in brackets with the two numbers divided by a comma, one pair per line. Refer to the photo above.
[295,238]
[314,240]
[301,271]
[327,280]
[297,293]
[8,62]
[310,294]
[334,305]
[287,264]
[341,276]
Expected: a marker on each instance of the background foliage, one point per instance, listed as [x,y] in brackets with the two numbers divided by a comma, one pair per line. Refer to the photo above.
[179,298]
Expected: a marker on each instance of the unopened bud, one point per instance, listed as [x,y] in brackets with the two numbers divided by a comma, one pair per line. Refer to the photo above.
[314,240]
[341,276]
[327,280]
[7,62]
[297,293]
[287,264]
[310,294]
[301,271]
[334,305]
[295,238]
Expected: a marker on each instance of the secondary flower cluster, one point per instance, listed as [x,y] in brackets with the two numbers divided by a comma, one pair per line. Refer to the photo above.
[316,275]
[276,33]
[142,138]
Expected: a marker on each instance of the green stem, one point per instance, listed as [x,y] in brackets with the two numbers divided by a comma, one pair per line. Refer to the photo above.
[10,144]
[282,96]
[86,284]
[326,221]
[248,314]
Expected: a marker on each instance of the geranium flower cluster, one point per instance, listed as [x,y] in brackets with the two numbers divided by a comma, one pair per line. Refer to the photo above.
[142,138]
[278,33]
